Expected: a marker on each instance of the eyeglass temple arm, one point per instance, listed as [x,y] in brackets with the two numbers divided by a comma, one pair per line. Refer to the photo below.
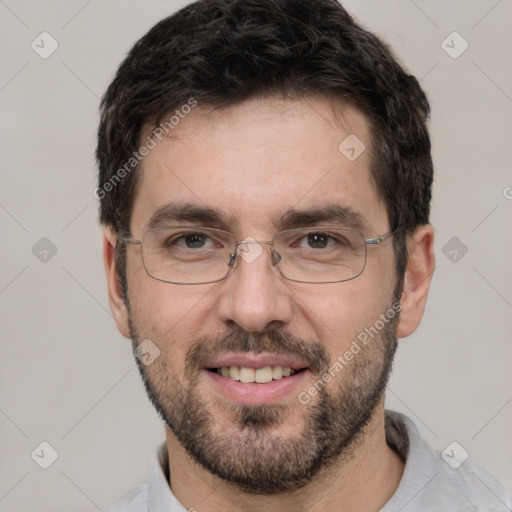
[129,241]
[379,239]
[369,241]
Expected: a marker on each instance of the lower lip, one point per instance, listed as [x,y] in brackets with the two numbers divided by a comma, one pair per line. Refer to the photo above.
[254,393]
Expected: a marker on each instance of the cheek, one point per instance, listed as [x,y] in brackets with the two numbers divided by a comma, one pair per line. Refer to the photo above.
[169,315]
[336,318]
[339,314]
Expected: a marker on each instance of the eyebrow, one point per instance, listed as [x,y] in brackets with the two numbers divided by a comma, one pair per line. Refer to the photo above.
[332,213]
[189,213]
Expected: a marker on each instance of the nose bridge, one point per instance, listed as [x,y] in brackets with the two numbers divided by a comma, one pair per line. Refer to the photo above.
[254,295]
[249,250]
[251,240]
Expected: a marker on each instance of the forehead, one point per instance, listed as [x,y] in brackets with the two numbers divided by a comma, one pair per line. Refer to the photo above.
[261,161]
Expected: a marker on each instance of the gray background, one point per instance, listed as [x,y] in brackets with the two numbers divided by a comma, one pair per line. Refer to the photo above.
[67,376]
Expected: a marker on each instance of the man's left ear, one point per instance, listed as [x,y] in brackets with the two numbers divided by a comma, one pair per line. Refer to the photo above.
[420,266]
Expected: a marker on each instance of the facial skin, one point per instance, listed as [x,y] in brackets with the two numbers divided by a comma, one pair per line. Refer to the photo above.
[252,163]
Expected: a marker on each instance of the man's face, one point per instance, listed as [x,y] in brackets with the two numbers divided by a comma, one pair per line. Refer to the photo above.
[257,165]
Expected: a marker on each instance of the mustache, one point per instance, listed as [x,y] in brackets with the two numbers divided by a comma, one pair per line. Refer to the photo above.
[204,349]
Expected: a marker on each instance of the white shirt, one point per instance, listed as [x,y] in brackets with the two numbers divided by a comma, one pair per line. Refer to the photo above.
[429,483]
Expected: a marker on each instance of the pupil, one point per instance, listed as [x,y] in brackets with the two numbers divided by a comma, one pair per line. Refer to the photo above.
[194,241]
[318,240]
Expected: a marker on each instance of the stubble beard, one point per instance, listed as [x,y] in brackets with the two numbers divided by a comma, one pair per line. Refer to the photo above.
[252,454]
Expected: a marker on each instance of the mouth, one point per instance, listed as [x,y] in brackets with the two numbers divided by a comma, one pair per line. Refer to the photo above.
[261,375]
[256,379]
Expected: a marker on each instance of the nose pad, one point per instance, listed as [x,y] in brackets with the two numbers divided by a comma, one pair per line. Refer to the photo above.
[234,257]
[275,257]
[232,260]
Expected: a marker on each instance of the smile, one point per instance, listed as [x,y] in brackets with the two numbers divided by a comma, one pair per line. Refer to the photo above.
[255,375]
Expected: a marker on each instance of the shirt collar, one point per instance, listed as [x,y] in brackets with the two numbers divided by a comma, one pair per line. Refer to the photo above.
[403,436]
[160,496]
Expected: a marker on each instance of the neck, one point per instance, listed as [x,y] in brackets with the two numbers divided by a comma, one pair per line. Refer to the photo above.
[363,481]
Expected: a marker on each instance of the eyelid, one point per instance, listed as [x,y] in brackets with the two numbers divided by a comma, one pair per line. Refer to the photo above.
[214,235]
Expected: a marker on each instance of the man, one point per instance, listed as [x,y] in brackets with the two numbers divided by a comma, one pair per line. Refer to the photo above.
[265,182]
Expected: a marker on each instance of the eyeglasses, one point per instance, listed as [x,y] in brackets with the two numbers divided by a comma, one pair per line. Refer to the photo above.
[196,255]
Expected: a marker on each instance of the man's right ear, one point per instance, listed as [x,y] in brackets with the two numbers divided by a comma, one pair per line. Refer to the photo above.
[115,293]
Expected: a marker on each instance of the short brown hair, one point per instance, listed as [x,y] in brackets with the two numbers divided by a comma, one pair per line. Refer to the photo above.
[221,52]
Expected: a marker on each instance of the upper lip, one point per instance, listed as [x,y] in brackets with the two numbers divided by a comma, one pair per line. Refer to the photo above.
[255,361]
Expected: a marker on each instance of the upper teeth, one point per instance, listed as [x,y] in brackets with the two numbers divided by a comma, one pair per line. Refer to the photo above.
[260,375]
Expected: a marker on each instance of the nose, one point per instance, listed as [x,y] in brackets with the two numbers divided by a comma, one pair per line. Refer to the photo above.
[254,296]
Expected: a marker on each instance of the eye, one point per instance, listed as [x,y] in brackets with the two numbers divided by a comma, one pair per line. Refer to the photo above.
[321,240]
[195,240]
[190,240]
[318,240]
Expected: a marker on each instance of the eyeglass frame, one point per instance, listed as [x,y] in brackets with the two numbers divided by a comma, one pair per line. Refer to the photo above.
[233,257]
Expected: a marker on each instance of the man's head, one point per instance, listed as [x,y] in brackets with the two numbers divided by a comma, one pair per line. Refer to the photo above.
[255,118]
